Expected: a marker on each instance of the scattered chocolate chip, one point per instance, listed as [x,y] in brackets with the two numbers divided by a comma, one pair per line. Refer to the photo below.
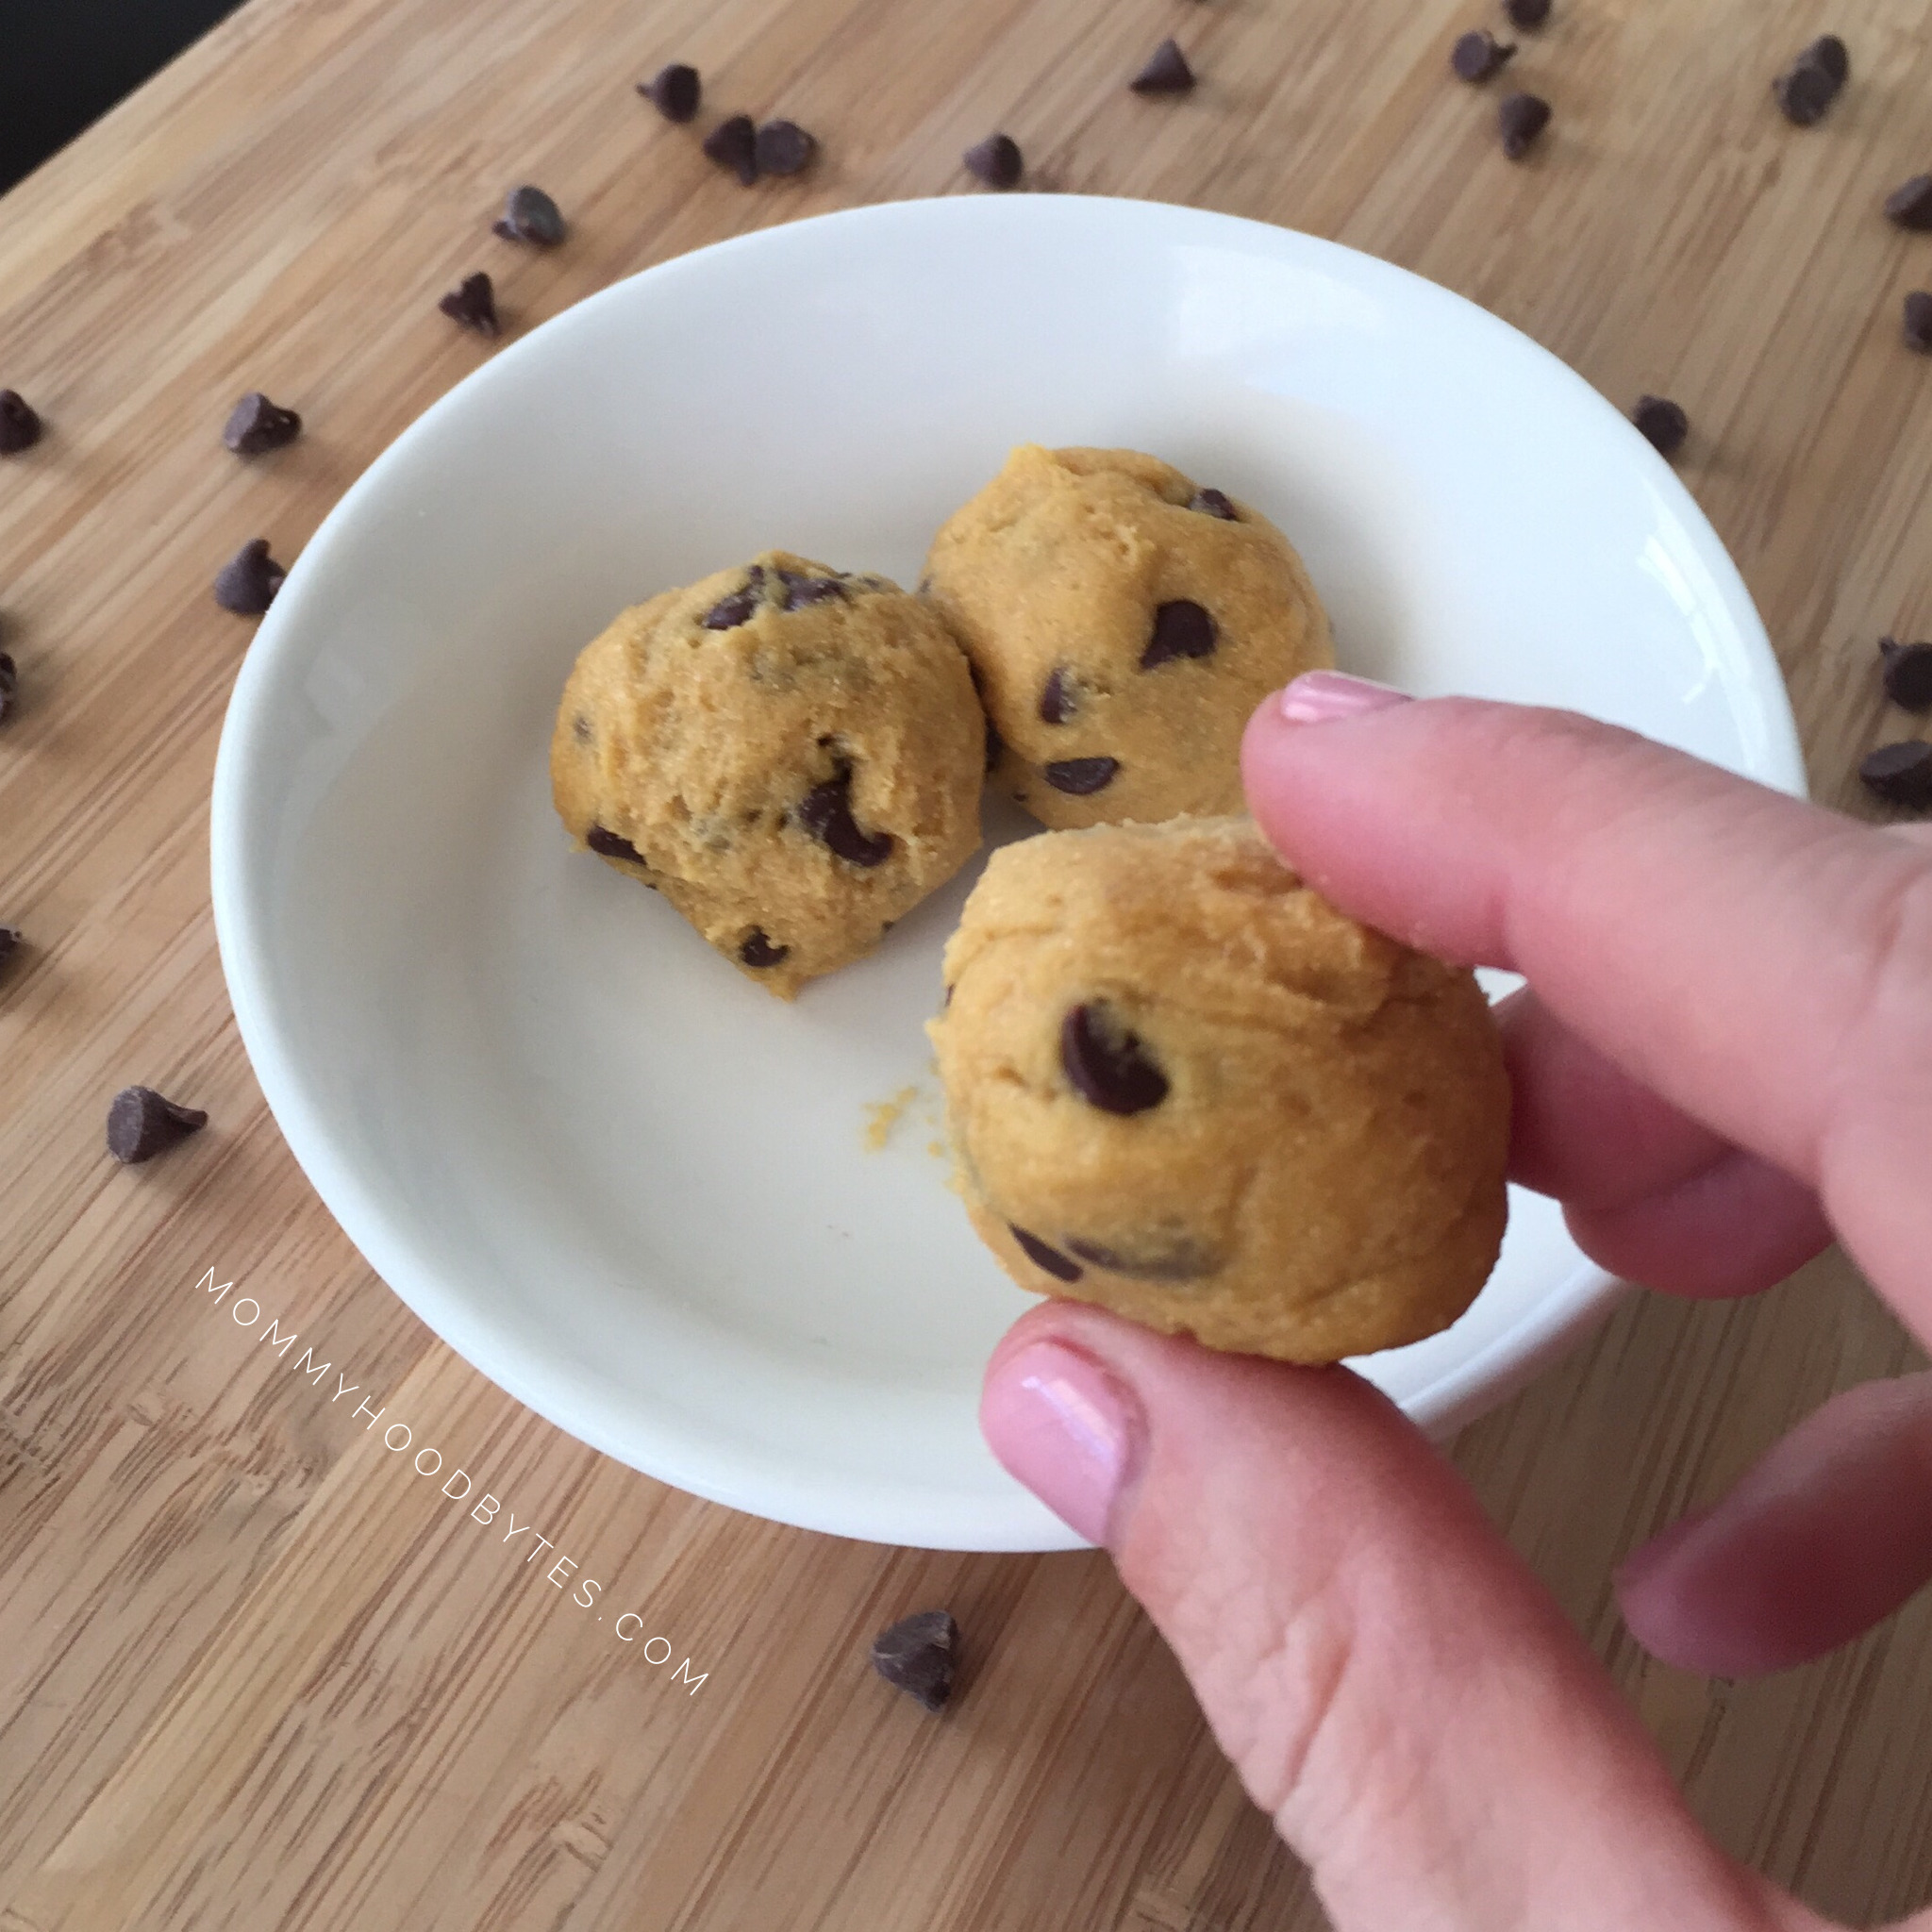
[1520,120]
[142,1125]
[994,161]
[247,583]
[600,838]
[756,949]
[1181,629]
[727,613]
[826,812]
[1900,773]
[1181,1263]
[1910,205]
[1832,56]
[1214,504]
[1108,1065]
[1477,56]
[254,424]
[1166,72]
[1080,776]
[1917,321]
[1809,85]
[472,303]
[1526,15]
[918,1653]
[1036,1251]
[1663,423]
[9,943]
[783,147]
[673,90]
[801,589]
[734,143]
[1907,673]
[530,215]
[9,684]
[994,745]
[1058,702]
[20,428]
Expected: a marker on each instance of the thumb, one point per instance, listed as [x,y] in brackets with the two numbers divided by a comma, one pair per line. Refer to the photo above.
[1393,1685]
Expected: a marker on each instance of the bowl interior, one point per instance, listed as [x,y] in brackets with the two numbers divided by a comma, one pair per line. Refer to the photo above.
[705,1231]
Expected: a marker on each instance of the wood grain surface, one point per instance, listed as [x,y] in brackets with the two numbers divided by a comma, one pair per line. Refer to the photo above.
[256,1672]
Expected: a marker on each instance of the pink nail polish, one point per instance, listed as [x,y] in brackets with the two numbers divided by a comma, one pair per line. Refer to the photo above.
[1317,696]
[1066,1427]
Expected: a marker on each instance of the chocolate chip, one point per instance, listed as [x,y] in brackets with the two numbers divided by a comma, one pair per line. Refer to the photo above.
[1166,72]
[1181,629]
[1058,701]
[994,161]
[9,684]
[530,215]
[1520,120]
[9,943]
[826,812]
[599,839]
[256,425]
[20,428]
[1526,15]
[472,303]
[783,147]
[1917,321]
[1832,55]
[247,583]
[734,143]
[1900,773]
[1108,1065]
[142,1125]
[1181,1263]
[673,90]
[918,1653]
[1080,776]
[1809,85]
[1036,1251]
[1663,423]
[580,729]
[1212,503]
[1477,56]
[756,949]
[994,745]
[727,613]
[1910,205]
[1907,673]
[801,589]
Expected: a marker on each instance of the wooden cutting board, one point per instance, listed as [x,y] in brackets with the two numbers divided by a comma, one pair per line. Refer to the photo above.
[256,1670]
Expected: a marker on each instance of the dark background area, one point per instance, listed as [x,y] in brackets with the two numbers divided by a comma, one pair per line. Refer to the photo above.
[64,63]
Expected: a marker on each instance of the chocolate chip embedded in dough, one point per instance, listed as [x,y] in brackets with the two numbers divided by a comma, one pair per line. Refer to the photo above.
[1181,629]
[1107,1063]
[919,1655]
[1079,777]
[601,840]
[1215,503]
[826,812]
[800,590]
[756,949]
[1057,699]
[1179,1261]
[141,1124]
[1036,1251]
[738,607]
[994,744]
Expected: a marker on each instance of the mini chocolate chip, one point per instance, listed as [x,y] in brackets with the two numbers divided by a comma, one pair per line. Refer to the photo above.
[756,949]
[1900,773]
[1910,205]
[141,1124]
[599,839]
[1181,629]
[247,583]
[1663,423]
[1917,321]
[994,745]
[1183,1262]
[1107,1063]
[580,729]
[673,90]
[9,943]
[1477,56]
[530,215]
[9,684]
[1907,673]
[1526,15]
[1809,85]
[919,1655]
[801,589]
[1520,120]
[472,303]
[1214,504]
[994,161]
[1058,700]
[826,812]
[733,144]
[1080,776]
[727,613]
[20,428]
[1166,72]
[256,425]
[1036,1251]
[783,147]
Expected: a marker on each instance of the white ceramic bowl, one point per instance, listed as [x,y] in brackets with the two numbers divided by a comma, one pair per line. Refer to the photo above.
[624,1182]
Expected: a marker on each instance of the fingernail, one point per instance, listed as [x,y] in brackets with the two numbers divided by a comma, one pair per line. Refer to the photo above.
[1066,1427]
[1317,696]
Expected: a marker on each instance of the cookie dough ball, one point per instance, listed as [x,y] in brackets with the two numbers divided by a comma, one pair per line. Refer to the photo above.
[791,754]
[1180,1084]
[1122,624]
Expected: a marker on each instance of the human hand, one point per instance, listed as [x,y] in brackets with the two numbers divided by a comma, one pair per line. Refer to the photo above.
[1723,1059]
